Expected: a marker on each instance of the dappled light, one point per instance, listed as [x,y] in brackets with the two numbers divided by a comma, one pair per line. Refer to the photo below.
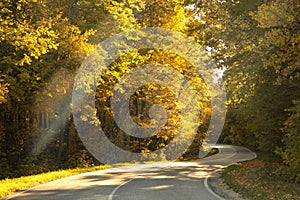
[168,93]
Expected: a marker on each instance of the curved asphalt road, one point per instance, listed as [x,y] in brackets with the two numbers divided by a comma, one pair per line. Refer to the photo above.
[166,181]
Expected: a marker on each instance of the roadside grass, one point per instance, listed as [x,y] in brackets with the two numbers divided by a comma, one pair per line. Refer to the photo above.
[213,151]
[193,156]
[261,179]
[8,186]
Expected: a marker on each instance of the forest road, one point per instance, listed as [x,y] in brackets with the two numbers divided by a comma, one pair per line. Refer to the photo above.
[166,181]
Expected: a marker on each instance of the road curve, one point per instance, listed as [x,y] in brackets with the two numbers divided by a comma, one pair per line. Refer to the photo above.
[166,181]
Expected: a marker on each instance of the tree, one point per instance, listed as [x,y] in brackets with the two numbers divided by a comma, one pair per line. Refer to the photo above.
[3,92]
[256,43]
[34,45]
[132,16]
[291,149]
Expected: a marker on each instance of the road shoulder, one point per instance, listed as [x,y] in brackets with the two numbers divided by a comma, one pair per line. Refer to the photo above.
[222,189]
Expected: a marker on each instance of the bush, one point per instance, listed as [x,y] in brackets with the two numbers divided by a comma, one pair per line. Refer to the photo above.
[80,159]
[291,150]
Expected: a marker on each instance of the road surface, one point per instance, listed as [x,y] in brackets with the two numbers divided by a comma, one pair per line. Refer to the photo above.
[166,181]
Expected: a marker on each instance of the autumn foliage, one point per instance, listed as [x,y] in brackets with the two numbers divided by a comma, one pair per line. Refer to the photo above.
[43,43]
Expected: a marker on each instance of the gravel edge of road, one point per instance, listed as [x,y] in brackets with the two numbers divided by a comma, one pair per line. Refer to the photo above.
[217,184]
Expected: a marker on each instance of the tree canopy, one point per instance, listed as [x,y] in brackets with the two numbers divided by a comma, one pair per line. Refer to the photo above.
[43,44]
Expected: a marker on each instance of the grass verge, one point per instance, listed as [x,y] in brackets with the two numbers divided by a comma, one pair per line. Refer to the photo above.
[195,156]
[261,179]
[8,186]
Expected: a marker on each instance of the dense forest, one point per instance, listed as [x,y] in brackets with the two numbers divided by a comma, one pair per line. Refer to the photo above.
[43,44]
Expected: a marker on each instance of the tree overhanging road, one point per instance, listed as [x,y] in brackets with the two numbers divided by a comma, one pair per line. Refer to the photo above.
[177,180]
